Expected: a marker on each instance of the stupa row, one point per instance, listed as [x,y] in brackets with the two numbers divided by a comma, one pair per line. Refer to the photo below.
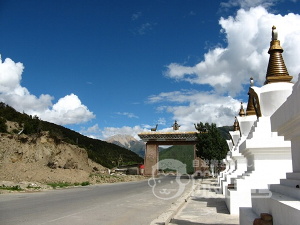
[262,172]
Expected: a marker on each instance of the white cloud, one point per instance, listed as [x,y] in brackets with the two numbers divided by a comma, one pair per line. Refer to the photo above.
[143,28]
[161,121]
[202,106]
[248,36]
[182,96]
[10,75]
[68,110]
[133,131]
[129,115]
[135,16]
[92,132]
[93,129]
[246,4]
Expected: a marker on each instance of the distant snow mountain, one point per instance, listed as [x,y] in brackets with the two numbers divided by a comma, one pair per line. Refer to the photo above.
[129,142]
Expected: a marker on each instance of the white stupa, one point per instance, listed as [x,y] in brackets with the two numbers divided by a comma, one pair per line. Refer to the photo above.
[242,126]
[229,161]
[244,122]
[268,155]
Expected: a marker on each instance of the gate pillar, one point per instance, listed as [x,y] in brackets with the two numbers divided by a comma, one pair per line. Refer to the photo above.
[151,159]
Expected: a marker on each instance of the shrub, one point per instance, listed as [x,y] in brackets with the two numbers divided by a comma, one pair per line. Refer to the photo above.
[85,183]
[11,188]
[59,184]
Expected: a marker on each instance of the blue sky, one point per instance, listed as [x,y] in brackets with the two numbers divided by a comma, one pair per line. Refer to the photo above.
[122,66]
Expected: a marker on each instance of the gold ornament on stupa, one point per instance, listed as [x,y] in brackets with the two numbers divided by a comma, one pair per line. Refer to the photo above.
[250,111]
[242,111]
[277,71]
[236,125]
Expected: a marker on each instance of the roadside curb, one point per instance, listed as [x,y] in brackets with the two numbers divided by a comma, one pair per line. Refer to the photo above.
[166,217]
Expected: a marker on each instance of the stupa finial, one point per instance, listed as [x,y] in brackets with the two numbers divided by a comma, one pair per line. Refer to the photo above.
[250,106]
[274,33]
[242,111]
[277,71]
[236,125]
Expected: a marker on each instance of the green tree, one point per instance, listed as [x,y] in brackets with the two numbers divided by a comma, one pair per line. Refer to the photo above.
[210,144]
[32,125]
[3,126]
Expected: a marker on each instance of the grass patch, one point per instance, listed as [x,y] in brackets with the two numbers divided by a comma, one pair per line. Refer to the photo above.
[103,176]
[66,184]
[59,185]
[33,187]
[11,188]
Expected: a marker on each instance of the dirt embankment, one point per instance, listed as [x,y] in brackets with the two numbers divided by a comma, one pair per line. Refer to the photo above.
[36,161]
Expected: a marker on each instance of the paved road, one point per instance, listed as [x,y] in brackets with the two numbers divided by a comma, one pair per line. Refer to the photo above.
[129,203]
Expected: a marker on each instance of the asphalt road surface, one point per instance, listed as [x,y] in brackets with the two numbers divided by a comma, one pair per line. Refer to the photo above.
[128,203]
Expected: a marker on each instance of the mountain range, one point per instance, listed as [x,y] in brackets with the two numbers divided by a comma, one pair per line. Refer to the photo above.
[129,142]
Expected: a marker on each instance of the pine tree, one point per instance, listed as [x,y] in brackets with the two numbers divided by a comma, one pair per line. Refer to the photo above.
[211,146]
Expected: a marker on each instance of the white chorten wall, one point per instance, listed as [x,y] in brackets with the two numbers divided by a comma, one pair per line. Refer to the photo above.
[226,162]
[222,174]
[245,124]
[235,135]
[282,200]
[264,150]
[230,166]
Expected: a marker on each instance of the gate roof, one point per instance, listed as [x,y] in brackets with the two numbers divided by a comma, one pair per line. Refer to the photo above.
[170,138]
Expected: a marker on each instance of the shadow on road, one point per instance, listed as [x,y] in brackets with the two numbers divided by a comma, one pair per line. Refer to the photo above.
[185,222]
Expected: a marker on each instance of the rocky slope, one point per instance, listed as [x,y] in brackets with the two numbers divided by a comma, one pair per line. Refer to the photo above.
[40,159]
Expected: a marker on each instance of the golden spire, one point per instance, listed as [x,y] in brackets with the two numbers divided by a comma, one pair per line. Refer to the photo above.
[236,125]
[277,71]
[250,107]
[242,111]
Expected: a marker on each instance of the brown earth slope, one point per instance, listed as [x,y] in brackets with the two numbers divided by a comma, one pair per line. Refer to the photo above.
[37,160]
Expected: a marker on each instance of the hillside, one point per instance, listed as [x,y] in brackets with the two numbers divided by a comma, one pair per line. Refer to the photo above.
[37,162]
[38,158]
[107,154]
[183,153]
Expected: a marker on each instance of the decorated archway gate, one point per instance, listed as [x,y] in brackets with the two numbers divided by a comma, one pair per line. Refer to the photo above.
[154,139]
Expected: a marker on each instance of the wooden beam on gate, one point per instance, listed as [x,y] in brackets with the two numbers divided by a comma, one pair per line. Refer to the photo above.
[171,142]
